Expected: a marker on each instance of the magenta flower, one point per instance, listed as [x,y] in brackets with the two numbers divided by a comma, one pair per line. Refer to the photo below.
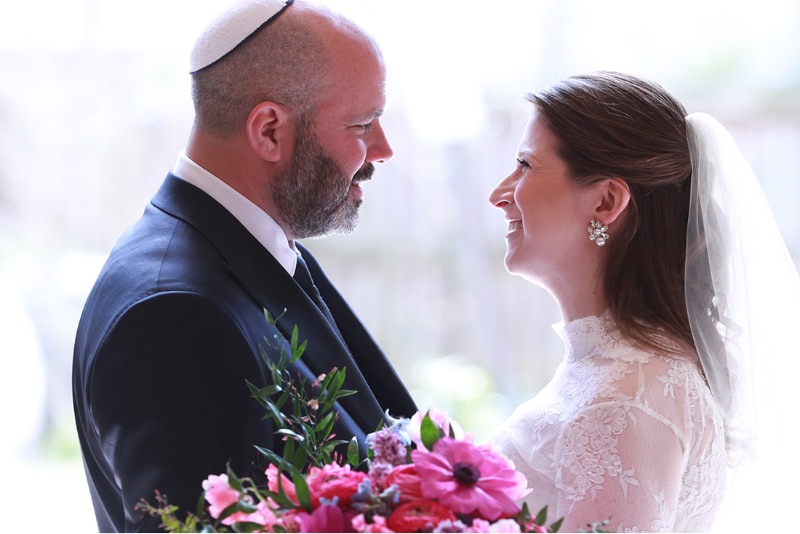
[470,478]
[326,518]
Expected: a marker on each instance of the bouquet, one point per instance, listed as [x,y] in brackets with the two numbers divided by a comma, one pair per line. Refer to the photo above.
[422,474]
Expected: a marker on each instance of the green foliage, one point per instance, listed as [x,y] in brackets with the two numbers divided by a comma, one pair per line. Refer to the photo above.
[429,432]
[168,515]
[540,519]
[303,414]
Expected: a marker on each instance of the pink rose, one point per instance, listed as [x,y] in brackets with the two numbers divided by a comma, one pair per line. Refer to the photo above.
[422,515]
[331,481]
[407,481]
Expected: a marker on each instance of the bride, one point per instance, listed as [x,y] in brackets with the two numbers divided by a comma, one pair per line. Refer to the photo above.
[630,214]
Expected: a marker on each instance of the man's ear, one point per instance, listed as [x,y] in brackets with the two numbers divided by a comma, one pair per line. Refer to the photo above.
[614,195]
[268,130]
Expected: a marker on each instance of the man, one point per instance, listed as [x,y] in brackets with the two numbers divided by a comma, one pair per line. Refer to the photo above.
[288,99]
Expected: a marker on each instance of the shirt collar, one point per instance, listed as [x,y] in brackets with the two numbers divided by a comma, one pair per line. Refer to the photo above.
[254,219]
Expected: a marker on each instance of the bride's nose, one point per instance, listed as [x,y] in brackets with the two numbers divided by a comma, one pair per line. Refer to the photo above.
[503,194]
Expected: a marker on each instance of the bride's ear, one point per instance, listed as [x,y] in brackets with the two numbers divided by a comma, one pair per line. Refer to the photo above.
[614,196]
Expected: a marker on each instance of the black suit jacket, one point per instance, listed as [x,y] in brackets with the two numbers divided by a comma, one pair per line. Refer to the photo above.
[170,332]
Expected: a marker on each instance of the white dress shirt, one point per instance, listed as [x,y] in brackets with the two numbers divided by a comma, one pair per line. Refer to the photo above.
[254,219]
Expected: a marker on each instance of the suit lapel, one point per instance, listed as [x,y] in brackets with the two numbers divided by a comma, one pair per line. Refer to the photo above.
[268,283]
[373,364]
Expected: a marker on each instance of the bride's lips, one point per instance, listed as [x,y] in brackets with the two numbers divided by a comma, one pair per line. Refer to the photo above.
[514,225]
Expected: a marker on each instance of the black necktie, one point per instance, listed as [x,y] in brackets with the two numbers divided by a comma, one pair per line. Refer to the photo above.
[303,277]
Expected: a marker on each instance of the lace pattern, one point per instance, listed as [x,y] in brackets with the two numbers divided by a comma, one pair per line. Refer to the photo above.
[622,432]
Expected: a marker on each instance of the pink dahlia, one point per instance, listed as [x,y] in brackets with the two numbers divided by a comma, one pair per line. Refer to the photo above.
[332,480]
[407,480]
[470,478]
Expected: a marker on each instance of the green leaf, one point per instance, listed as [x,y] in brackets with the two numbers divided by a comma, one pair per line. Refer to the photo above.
[232,509]
[325,425]
[234,481]
[301,489]
[332,444]
[298,458]
[297,352]
[556,526]
[280,496]
[337,380]
[429,432]
[282,400]
[541,517]
[352,452]
[277,416]
[276,376]
[291,433]
[525,513]
[247,527]
[245,506]
[268,391]
[281,463]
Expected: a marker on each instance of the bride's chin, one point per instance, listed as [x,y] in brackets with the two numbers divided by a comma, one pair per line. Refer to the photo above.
[513,265]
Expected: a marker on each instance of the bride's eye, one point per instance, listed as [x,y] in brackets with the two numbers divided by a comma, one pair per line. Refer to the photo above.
[523,164]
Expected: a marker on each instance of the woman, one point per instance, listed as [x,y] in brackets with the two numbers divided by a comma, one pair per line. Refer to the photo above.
[641,417]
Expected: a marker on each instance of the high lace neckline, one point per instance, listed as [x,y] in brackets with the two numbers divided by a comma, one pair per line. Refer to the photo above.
[588,335]
[620,431]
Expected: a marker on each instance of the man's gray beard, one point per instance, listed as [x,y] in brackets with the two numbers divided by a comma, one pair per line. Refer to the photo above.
[312,196]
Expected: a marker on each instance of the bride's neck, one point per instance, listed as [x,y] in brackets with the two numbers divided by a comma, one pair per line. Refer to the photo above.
[581,300]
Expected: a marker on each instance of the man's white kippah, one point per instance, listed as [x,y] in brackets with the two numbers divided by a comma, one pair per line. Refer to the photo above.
[231,28]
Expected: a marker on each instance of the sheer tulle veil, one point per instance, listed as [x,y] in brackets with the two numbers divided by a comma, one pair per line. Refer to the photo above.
[743,297]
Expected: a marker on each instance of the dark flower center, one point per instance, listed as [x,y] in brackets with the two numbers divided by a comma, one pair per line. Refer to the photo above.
[466,473]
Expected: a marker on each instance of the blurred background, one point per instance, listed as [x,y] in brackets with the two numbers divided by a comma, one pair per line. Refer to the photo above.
[95,105]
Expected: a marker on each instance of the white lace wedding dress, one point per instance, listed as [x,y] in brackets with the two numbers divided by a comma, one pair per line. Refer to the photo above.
[620,432]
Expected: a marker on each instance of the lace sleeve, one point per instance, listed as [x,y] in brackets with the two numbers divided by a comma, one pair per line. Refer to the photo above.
[620,459]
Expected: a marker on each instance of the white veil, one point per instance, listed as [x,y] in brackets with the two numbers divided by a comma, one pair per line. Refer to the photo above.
[743,298]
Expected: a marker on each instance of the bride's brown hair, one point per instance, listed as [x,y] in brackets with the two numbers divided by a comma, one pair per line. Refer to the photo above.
[609,124]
